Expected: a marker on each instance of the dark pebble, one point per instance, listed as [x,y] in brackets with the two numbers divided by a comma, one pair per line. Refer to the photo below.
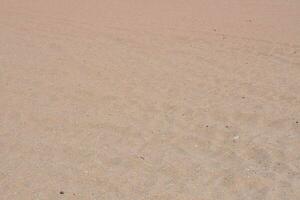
[61,192]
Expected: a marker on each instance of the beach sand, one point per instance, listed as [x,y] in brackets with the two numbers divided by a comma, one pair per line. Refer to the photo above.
[150,100]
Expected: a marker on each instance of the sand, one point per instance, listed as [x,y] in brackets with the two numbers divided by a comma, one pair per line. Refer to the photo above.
[150,100]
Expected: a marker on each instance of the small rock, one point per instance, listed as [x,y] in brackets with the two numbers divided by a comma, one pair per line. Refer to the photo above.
[236,137]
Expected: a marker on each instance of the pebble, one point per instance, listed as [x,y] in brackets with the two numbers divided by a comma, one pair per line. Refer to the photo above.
[236,137]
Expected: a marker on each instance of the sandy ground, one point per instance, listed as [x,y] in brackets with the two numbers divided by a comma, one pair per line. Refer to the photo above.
[150,100]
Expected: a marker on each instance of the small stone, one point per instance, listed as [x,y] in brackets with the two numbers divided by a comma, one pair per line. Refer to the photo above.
[236,137]
[61,192]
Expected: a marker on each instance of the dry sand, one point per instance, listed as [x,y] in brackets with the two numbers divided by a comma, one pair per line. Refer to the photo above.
[150,100]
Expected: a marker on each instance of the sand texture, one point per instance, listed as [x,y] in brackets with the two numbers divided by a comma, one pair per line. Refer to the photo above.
[150,100]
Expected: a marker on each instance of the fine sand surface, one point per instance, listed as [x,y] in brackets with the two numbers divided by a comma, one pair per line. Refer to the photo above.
[150,100]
